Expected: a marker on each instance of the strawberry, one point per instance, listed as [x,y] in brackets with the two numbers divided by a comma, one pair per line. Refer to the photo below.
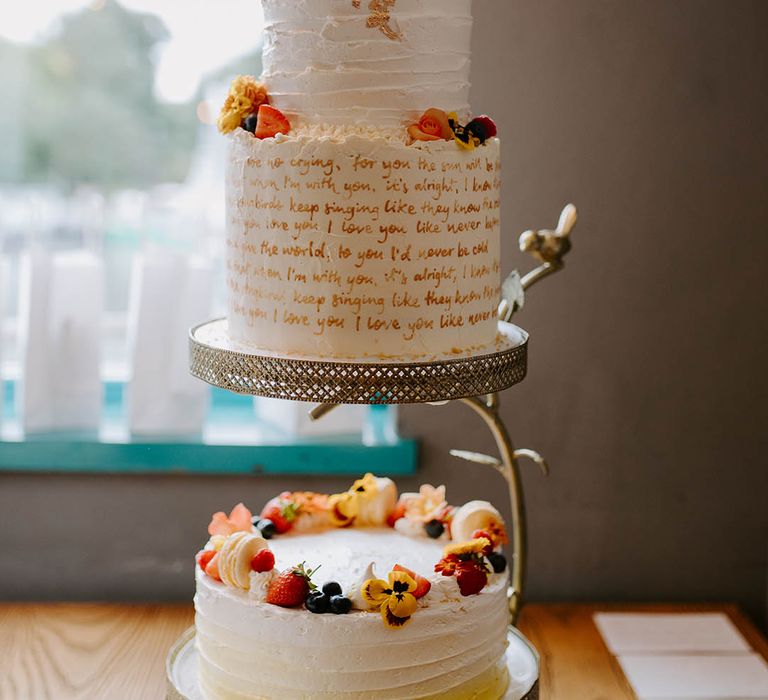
[471,580]
[396,514]
[263,560]
[212,568]
[422,585]
[204,556]
[483,127]
[282,511]
[271,122]
[487,535]
[291,588]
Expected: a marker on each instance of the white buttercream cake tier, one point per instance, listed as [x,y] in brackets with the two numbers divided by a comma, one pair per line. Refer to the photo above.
[453,647]
[351,244]
[324,62]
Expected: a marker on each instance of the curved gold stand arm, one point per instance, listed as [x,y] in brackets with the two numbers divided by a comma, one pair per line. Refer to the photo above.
[488,409]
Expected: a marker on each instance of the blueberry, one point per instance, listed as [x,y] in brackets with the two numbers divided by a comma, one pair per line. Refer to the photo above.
[340,605]
[498,562]
[331,589]
[250,122]
[267,529]
[317,603]
[434,529]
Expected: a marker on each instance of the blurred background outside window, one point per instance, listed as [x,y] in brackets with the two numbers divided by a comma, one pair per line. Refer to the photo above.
[108,144]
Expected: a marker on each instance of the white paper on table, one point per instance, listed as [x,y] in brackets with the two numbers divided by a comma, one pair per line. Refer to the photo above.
[657,633]
[738,676]
[60,317]
[169,294]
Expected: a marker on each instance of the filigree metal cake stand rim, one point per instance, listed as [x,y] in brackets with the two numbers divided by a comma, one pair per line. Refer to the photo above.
[217,361]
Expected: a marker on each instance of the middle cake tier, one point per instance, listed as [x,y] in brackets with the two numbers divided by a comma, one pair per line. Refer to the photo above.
[349,244]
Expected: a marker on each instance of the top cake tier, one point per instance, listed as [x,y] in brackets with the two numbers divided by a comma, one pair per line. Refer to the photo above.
[378,62]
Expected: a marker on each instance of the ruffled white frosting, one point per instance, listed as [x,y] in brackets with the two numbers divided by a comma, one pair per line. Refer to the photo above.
[323,62]
[452,648]
[259,584]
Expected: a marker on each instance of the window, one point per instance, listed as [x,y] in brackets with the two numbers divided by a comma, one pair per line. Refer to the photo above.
[109,151]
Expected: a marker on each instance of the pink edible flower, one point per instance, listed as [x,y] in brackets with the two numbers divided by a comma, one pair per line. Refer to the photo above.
[239,520]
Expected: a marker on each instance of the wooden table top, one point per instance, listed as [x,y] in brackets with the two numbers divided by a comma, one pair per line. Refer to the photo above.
[117,652]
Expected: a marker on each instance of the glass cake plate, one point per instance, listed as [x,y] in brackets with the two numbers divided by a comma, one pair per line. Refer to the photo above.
[522,662]
[217,360]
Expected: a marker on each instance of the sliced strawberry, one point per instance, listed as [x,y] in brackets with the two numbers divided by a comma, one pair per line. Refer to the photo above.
[271,122]
[204,556]
[212,568]
[263,560]
[471,580]
[396,514]
[422,585]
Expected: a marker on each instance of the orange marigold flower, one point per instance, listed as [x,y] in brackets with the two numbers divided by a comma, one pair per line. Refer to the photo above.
[244,98]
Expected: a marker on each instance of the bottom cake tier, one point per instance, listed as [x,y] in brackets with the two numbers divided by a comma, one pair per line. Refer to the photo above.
[453,647]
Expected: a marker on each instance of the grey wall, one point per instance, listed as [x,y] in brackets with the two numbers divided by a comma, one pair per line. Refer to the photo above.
[647,388]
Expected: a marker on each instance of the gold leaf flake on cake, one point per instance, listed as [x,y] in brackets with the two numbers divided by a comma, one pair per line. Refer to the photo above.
[381,17]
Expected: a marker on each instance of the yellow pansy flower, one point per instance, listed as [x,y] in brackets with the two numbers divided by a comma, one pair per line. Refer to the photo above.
[365,487]
[343,508]
[470,143]
[394,598]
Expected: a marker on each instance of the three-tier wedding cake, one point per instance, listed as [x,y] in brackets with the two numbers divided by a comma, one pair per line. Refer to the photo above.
[363,200]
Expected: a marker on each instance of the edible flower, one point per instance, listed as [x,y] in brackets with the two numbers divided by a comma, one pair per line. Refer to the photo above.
[475,546]
[310,501]
[475,133]
[393,598]
[428,504]
[460,135]
[365,487]
[244,98]
[434,125]
[466,561]
[239,520]
[343,508]
[496,533]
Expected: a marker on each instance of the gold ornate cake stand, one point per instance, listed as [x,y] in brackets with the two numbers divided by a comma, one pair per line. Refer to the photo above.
[474,381]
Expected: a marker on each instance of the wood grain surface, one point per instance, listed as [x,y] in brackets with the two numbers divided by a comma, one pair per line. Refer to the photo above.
[93,652]
[117,652]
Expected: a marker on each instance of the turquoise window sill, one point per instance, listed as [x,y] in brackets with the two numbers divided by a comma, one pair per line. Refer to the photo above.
[232,443]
